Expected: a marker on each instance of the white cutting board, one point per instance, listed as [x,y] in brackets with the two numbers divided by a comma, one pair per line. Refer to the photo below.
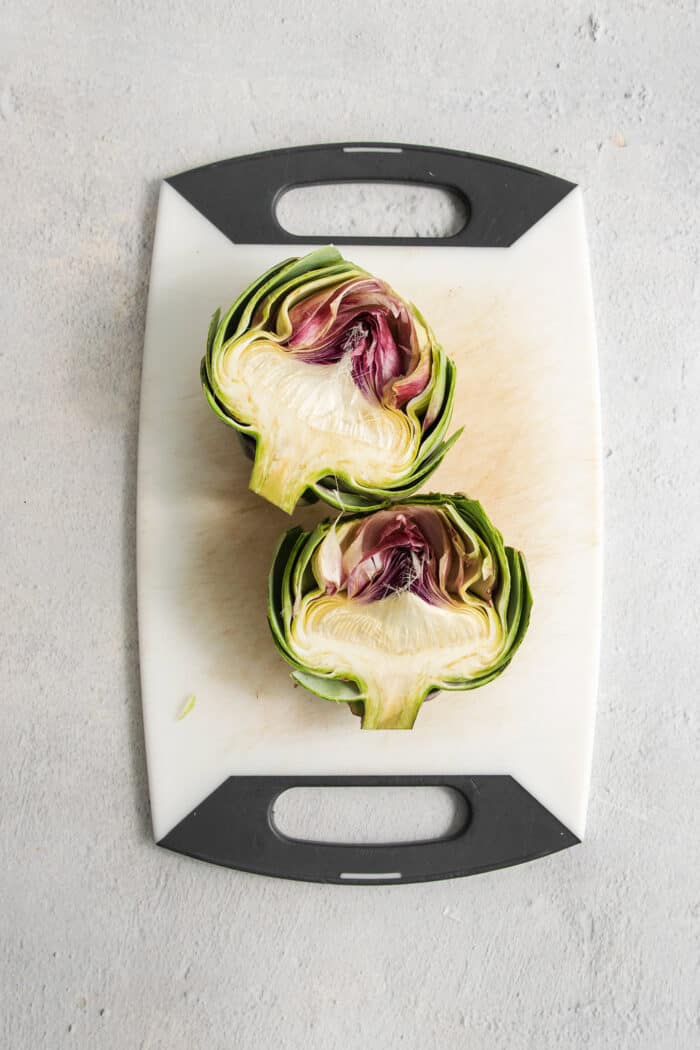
[519,324]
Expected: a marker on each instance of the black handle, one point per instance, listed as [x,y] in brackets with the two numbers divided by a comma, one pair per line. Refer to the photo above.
[239,195]
[234,827]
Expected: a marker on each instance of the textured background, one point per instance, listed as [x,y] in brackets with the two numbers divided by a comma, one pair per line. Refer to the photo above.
[106,941]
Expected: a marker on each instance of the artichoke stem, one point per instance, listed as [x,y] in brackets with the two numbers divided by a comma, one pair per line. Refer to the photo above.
[391,708]
[274,480]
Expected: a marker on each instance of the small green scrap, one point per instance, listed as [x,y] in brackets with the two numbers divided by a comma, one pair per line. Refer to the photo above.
[187,708]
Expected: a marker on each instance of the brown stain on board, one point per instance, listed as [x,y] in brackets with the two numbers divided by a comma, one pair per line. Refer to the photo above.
[494,459]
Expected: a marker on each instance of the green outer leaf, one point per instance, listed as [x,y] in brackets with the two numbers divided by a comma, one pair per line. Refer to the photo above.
[283,281]
[321,258]
[328,688]
[290,581]
[218,408]
[213,329]
[228,325]
[278,607]
[295,279]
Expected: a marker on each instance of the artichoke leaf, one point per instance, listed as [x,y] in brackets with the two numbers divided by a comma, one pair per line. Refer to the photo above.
[339,382]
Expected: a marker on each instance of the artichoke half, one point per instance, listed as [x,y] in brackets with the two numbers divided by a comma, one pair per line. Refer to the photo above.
[335,383]
[383,610]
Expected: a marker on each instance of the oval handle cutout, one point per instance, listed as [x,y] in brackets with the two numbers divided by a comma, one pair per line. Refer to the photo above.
[371,209]
[369,815]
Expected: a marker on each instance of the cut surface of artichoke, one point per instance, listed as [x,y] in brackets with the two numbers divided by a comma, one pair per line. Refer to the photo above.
[399,648]
[313,421]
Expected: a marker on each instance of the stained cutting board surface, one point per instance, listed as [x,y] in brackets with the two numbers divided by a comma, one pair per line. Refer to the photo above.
[519,324]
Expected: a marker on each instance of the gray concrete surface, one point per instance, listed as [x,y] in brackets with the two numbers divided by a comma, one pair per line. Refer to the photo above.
[106,941]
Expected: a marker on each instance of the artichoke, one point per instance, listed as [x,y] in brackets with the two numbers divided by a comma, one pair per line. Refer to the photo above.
[384,610]
[335,384]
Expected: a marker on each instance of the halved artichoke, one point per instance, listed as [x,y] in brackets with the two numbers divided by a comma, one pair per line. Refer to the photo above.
[383,610]
[333,381]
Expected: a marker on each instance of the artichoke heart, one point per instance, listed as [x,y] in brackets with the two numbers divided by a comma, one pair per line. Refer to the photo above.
[336,383]
[386,609]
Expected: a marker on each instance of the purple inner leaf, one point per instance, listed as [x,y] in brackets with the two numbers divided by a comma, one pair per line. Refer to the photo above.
[399,562]
[411,549]
[363,320]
